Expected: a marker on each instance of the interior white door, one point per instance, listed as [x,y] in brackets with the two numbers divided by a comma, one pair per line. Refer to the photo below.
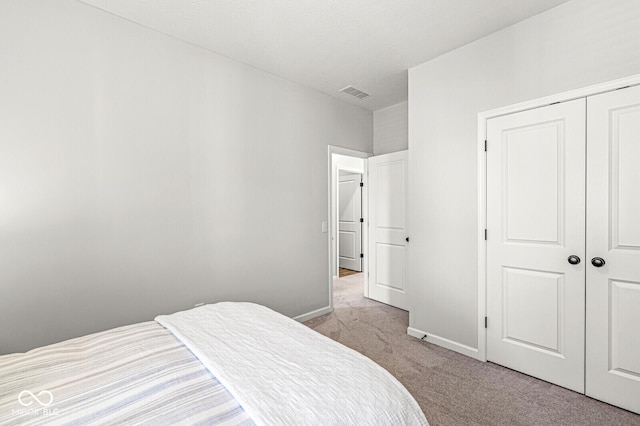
[613,234]
[535,222]
[349,225]
[388,235]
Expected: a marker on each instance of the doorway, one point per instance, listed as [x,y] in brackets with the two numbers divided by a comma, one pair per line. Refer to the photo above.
[350,223]
[350,167]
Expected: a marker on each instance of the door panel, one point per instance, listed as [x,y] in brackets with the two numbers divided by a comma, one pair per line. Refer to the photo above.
[390,266]
[535,221]
[347,249]
[528,150]
[391,192]
[625,176]
[613,233]
[624,304]
[387,229]
[349,226]
[534,294]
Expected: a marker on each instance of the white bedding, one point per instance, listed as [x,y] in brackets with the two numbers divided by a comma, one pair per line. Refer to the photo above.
[133,375]
[281,372]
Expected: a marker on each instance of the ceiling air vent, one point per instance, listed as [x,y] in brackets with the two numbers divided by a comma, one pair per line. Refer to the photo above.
[350,90]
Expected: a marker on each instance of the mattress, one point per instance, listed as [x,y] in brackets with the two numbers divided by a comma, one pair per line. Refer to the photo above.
[137,374]
[226,363]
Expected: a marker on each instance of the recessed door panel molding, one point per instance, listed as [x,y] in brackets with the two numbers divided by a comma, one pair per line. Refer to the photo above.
[613,235]
[348,202]
[534,183]
[347,242]
[533,294]
[625,177]
[624,344]
[390,266]
[390,185]
[535,221]
[388,236]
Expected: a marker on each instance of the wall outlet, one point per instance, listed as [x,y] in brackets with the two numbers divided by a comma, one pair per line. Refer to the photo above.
[325,226]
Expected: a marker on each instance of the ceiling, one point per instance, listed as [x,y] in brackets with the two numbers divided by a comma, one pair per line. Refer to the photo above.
[330,44]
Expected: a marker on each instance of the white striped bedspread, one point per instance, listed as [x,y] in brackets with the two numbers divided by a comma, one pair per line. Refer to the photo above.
[137,374]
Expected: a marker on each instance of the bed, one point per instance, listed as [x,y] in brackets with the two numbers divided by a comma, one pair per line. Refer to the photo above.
[227,363]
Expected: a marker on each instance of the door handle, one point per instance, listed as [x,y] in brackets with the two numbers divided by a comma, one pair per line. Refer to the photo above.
[573,259]
[598,262]
[407,239]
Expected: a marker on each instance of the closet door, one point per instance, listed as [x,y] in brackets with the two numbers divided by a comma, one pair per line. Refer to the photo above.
[535,222]
[613,248]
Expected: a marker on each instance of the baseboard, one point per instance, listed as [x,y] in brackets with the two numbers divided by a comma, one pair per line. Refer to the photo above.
[445,343]
[313,314]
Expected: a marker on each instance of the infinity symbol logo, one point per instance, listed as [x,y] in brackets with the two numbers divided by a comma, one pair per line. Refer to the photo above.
[24,393]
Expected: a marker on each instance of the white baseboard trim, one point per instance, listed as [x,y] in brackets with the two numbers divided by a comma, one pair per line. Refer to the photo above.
[445,343]
[313,314]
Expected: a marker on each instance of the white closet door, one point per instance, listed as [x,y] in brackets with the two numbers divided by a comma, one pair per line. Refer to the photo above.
[535,221]
[613,234]
[349,225]
[388,229]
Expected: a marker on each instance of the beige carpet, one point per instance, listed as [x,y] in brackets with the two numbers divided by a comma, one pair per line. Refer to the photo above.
[453,389]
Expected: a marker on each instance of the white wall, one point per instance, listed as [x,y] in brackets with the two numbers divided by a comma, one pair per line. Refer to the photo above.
[140,175]
[390,129]
[577,44]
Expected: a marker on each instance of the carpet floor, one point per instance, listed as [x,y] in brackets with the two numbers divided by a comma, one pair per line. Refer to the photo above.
[453,389]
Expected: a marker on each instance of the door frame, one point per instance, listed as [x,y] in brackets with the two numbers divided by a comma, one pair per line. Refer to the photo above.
[332,206]
[483,117]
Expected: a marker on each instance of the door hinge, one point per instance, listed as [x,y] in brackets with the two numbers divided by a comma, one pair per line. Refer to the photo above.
[485,145]
[362,220]
[485,234]
[361,254]
[485,322]
[361,184]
